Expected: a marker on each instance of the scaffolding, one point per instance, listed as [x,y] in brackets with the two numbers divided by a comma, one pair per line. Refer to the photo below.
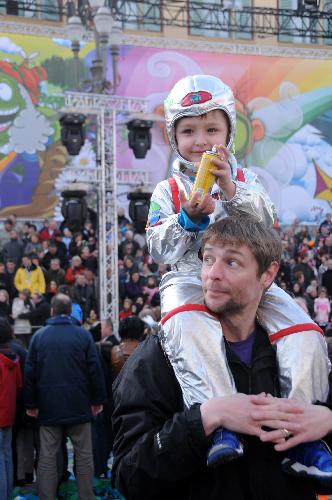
[105,108]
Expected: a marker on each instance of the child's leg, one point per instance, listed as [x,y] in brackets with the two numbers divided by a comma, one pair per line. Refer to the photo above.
[302,357]
[193,342]
[303,373]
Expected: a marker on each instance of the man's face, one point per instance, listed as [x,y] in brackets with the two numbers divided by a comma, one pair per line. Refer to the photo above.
[197,134]
[229,278]
[55,265]
[106,329]
[10,266]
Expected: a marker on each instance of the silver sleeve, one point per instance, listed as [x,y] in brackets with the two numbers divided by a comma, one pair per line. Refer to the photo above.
[167,241]
[251,198]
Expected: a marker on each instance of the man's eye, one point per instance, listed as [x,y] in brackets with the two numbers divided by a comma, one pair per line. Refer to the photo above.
[232,263]
[207,259]
[187,131]
[212,130]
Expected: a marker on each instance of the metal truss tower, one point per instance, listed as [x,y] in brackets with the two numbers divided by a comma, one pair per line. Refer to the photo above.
[105,108]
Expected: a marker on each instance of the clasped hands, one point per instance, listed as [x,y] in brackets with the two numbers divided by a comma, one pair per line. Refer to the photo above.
[291,422]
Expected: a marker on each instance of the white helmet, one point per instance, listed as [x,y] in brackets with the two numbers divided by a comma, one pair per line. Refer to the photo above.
[196,95]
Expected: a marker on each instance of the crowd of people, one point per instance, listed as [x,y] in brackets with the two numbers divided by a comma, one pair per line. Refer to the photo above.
[306,268]
[183,406]
[38,261]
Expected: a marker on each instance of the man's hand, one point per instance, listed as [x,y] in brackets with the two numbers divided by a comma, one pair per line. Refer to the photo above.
[195,208]
[306,422]
[223,172]
[96,409]
[232,412]
[32,412]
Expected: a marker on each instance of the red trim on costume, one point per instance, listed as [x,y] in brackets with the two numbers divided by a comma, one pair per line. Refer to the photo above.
[175,194]
[240,175]
[305,327]
[187,307]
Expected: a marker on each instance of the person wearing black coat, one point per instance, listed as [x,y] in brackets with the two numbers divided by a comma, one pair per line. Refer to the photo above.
[161,445]
[64,389]
[39,314]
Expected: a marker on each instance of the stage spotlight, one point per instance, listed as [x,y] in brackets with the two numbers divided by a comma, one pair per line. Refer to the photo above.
[139,136]
[139,209]
[72,132]
[74,209]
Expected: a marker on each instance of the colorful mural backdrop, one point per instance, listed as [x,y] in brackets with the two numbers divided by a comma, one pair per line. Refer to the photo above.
[284,121]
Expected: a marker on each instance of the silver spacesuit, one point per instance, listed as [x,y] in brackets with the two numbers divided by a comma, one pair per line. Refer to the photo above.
[192,338]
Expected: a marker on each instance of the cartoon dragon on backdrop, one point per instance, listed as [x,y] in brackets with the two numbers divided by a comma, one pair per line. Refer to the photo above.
[31,156]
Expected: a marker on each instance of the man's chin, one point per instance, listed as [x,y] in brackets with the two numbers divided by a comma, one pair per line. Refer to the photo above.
[229,307]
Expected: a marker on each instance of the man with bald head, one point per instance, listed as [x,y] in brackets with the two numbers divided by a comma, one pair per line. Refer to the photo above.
[64,389]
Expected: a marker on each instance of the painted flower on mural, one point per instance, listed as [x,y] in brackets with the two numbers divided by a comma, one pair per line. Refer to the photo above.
[81,168]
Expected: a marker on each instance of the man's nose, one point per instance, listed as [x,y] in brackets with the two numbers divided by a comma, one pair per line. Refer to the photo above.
[216,271]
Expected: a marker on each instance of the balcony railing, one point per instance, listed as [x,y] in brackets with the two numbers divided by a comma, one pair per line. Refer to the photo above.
[197,17]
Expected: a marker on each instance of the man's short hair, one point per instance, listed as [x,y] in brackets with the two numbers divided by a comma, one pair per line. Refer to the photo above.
[61,304]
[264,242]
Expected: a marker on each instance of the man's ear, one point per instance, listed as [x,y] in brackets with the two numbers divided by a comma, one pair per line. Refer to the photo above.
[269,275]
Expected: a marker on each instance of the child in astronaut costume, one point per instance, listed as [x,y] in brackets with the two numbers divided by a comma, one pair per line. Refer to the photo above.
[191,337]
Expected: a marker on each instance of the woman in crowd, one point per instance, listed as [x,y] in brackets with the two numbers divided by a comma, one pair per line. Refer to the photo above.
[22,327]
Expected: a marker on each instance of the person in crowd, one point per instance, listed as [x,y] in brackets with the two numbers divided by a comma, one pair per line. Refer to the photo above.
[5,231]
[297,290]
[122,219]
[47,231]
[55,273]
[5,308]
[10,267]
[22,327]
[128,239]
[126,309]
[322,267]
[311,295]
[322,309]
[326,223]
[33,245]
[327,278]
[74,270]
[62,249]
[5,282]
[13,249]
[29,276]
[160,443]
[151,288]
[134,286]
[91,321]
[200,115]
[51,291]
[76,244]
[39,313]
[51,254]
[89,259]
[64,389]
[12,357]
[304,266]
[76,310]
[67,237]
[83,295]
[102,436]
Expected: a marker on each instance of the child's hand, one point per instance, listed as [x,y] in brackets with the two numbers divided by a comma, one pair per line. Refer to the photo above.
[223,172]
[196,209]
